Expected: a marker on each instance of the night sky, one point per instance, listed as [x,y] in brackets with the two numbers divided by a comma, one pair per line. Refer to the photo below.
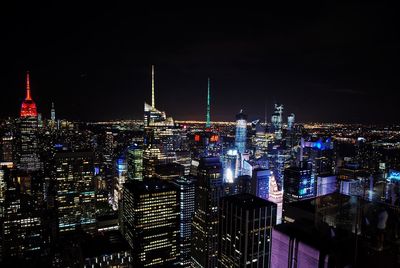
[325,63]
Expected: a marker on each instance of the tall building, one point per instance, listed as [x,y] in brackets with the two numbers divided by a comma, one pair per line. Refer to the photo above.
[276,120]
[149,220]
[135,162]
[75,190]
[260,183]
[28,149]
[209,190]
[245,228]
[53,112]
[241,130]
[186,186]
[298,184]
[290,122]
[23,226]
[7,148]
[231,166]
[152,116]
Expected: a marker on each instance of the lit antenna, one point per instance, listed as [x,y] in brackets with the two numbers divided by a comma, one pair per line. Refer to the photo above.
[28,87]
[153,102]
[208,123]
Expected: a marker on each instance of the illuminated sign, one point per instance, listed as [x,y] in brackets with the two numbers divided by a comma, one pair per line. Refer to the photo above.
[197,137]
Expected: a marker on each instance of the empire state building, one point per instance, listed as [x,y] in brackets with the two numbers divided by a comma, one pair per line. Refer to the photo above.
[28,157]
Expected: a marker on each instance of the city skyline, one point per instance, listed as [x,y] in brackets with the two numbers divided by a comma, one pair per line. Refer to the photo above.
[307,60]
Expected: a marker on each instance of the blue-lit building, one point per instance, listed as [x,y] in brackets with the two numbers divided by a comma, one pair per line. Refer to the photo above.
[276,121]
[319,155]
[290,122]
[260,183]
[241,132]
[298,185]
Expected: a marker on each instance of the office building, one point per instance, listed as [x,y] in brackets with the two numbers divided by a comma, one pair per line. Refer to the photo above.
[135,162]
[245,228]
[205,221]
[241,132]
[28,144]
[75,191]
[149,220]
[260,182]
[186,186]
[298,184]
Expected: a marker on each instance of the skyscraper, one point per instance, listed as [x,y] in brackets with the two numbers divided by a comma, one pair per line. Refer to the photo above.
[290,122]
[186,186]
[135,162]
[28,149]
[152,116]
[75,190]
[260,182]
[276,120]
[241,130]
[205,221]
[53,113]
[149,221]
[298,184]
[245,228]
[22,231]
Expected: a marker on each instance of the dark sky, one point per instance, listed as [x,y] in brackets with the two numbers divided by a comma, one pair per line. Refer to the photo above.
[323,62]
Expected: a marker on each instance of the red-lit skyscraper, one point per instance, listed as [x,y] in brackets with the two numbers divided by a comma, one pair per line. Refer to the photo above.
[28,157]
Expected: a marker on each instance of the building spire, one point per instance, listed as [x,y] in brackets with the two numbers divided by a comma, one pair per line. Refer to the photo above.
[208,123]
[153,102]
[28,87]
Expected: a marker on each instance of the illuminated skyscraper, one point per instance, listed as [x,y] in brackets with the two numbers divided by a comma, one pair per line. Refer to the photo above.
[186,186]
[135,162]
[298,184]
[53,113]
[231,166]
[152,116]
[260,182]
[290,122]
[241,130]
[28,151]
[75,190]
[205,221]
[245,230]
[7,148]
[276,120]
[22,231]
[149,221]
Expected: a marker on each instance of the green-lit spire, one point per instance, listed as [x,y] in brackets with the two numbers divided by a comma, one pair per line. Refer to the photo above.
[208,123]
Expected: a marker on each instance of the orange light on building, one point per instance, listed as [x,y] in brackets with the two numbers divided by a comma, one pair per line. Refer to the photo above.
[197,138]
[214,138]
